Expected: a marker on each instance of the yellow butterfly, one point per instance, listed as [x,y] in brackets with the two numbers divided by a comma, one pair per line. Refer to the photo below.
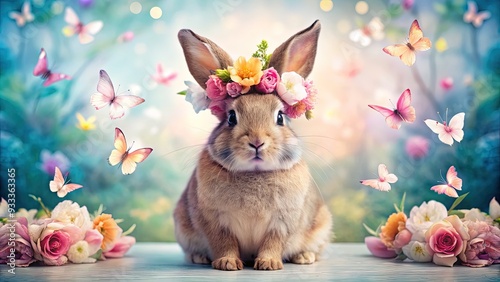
[416,42]
[122,155]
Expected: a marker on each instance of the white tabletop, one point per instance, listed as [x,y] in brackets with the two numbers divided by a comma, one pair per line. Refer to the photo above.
[165,262]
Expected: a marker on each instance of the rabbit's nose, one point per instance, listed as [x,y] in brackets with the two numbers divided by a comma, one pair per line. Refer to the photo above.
[256,145]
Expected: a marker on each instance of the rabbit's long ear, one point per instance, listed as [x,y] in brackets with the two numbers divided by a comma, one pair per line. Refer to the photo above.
[298,52]
[202,55]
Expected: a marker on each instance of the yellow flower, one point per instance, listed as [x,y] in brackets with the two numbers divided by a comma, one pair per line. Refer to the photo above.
[441,45]
[85,124]
[246,73]
[395,223]
[109,229]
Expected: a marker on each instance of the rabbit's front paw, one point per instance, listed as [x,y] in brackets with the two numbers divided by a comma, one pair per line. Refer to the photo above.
[227,263]
[304,258]
[268,264]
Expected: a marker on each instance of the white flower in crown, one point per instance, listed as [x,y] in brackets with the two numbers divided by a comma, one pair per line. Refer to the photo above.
[196,96]
[291,88]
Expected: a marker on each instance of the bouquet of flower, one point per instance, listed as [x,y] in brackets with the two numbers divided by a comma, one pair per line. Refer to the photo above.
[433,233]
[68,233]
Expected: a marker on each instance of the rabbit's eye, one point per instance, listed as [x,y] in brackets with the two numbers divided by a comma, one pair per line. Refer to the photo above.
[279,119]
[231,118]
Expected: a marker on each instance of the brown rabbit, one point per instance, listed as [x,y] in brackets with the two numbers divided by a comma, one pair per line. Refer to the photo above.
[251,196]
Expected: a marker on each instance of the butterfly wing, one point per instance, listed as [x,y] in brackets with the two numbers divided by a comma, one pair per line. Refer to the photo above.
[405,54]
[120,150]
[130,162]
[457,125]
[404,108]
[122,102]
[20,20]
[58,181]
[105,91]
[480,17]
[41,65]
[68,188]
[471,12]
[85,36]
[415,34]
[445,189]
[70,17]
[383,173]
[392,119]
[453,179]
[55,77]
[26,10]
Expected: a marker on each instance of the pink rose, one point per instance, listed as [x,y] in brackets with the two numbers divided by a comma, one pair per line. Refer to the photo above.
[233,89]
[23,252]
[121,247]
[446,240]
[51,240]
[417,147]
[216,89]
[483,248]
[218,109]
[268,82]
[54,246]
[378,248]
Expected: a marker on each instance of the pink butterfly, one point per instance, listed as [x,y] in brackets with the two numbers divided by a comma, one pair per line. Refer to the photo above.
[60,185]
[106,96]
[364,35]
[383,181]
[24,17]
[121,155]
[446,133]
[42,70]
[75,26]
[163,77]
[472,16]
[453,183]
[403,111]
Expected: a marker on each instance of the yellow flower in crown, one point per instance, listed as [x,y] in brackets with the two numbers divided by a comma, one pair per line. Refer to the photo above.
[246,73]
[85,124]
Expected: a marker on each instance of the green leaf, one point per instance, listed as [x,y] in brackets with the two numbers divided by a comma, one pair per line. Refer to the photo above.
[371,231]
[402,204]
[223,74]
[39,200]
[457,213]
[396,208]
[183,92]
[457,202]
[130,230]
[261,53]
[401,257]
[97,255]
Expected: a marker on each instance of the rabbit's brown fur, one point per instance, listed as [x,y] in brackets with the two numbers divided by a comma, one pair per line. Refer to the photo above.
[251,197]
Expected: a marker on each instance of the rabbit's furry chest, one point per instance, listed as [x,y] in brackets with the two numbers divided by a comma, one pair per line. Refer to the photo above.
[252,204]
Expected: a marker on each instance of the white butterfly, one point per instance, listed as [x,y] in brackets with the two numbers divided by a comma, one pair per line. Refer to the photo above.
[24,17]
[106,96]
[448,132]
[383,181]
[75,26]
[364,35]
[60,185]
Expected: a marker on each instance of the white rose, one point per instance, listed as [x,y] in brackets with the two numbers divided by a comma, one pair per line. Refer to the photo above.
[68,212]
[291,88]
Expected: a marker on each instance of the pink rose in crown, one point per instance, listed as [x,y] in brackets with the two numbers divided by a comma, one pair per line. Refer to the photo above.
[268,82]
[216,88]
[233,89]
[218,109]
[446,240]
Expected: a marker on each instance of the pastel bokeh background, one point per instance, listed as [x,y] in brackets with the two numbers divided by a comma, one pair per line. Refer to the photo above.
[345,141]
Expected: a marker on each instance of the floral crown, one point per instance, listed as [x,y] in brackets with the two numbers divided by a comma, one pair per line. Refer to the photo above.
[253,76]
